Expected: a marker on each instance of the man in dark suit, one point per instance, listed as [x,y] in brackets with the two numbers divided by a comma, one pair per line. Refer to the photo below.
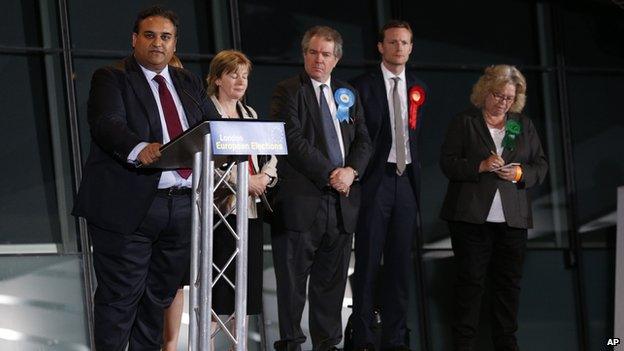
[139,219]
[317,203]
[389,214]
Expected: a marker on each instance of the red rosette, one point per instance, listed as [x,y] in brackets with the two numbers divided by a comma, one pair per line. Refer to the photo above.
[416,96]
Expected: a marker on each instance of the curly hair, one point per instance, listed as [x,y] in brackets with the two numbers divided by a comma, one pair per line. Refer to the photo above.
[226,61]
[495,78]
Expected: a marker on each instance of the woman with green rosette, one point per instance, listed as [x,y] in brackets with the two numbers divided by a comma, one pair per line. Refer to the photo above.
[491,156]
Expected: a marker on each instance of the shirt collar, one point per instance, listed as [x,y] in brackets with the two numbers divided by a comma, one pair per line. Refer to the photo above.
[389,75]
[151,74]
[316,84]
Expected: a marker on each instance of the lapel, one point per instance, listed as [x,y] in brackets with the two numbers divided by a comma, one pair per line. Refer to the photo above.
[309,98]
[410,82]
[189,106]
[479,125]
[141,87]
[507,154]
[379,92]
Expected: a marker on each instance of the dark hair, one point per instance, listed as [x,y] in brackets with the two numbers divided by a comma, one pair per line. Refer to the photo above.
[156,11]
[327,33]
[394,24]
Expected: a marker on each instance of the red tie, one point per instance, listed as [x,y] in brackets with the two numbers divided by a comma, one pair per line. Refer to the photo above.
[172,119]
[252,170]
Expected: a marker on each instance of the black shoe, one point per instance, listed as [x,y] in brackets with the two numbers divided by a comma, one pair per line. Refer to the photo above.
[366,347]
[280,345]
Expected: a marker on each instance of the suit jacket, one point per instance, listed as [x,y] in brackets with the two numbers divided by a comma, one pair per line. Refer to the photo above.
[304,172]
[470,193]
[122,112]
[377,115]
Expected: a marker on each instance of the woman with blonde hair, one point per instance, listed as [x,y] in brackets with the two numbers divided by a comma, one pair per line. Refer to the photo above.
[491,155]
[227,84]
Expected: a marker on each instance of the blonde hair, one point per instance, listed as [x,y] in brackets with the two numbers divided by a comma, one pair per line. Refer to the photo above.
[495,78]
[226,61]
[175,61]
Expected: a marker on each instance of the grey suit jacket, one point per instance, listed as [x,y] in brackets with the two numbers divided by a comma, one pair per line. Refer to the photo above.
[469,194]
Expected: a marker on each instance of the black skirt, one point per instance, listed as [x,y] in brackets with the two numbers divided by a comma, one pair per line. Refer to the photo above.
[224,245]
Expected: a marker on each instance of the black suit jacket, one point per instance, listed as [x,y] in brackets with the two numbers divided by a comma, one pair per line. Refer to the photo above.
[122,112]
[469,194]
[304,172]
[377,115]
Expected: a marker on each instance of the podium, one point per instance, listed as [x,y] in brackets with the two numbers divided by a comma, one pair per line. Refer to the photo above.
[226,142]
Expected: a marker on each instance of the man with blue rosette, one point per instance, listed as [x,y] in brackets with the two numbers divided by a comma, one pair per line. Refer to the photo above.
[317,202]
[389,218]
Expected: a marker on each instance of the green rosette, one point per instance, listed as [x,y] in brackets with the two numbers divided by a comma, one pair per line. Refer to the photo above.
[512,129]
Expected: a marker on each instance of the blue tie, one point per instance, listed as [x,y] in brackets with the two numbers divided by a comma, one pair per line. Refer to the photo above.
[333,145]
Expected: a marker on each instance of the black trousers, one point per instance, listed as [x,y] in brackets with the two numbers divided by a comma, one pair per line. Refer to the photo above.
[138,275]
[386,226]
[494,251]
[322,253]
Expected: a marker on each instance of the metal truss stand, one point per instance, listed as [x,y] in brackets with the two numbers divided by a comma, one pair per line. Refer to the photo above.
[201,313]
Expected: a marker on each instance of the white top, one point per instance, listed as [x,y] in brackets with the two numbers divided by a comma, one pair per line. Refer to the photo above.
[329,97]
[496,214]
[402,88]
[168,179]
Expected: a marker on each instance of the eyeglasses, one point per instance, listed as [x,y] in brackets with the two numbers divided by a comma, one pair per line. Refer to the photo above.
[502,98]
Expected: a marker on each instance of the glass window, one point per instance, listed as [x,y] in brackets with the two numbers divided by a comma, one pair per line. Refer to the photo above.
[28,23]
[593,33]
[596,130]
[288,20]
[101,32]
[471,33]
[33,195]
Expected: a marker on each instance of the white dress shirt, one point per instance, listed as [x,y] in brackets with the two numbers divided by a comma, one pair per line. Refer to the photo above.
[402,88]
[496,214]
[168,178]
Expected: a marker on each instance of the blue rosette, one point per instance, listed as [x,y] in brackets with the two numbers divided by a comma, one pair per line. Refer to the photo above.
[344,99]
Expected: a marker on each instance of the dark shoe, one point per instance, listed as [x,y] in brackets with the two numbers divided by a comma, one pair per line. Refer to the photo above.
[398,348]
[366,347]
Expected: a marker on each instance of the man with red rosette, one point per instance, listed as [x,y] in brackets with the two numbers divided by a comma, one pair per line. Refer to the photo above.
[389,217]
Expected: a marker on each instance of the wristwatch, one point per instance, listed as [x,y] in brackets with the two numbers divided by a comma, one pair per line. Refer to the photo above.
[356,175]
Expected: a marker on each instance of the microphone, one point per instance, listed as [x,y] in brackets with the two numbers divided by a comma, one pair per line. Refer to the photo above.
[195,102]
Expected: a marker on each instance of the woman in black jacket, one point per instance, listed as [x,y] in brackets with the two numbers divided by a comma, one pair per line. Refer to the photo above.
[491,156]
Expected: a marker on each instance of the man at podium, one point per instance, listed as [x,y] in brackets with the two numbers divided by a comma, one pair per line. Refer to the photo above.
[139,219]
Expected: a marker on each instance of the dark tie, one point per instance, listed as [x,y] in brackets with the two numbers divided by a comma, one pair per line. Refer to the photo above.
[399,131]
[172,119]
[333,145]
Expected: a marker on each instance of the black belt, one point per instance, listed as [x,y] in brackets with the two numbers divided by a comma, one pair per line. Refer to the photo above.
[174,191]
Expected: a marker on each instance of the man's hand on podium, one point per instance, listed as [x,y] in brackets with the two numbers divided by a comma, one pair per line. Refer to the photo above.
[149,154]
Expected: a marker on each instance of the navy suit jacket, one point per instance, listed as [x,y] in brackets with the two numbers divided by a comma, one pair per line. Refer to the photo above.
[377,115]
[122,112]
[304,172]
